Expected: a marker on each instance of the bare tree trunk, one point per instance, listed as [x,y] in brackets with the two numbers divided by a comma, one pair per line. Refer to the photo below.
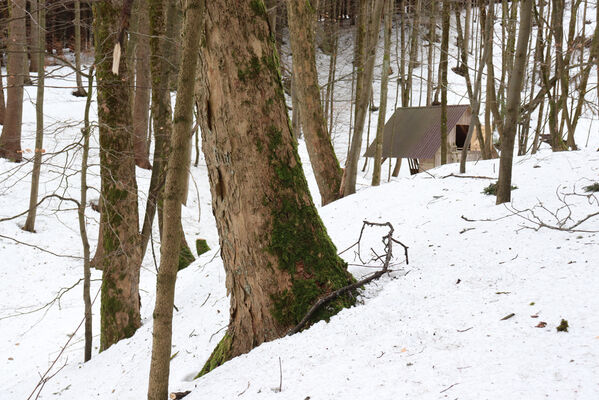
[121,257]
[277,255]
[557,143]
[80,92]
[141,103]
[363,93]
[376,173]
[301,19]
[10,140]
[504,182]
[34,35]
[473,95]
[82,225]
[39,118]
[413,56]
[174,196]
[432,27]
[443,68]
[2,101]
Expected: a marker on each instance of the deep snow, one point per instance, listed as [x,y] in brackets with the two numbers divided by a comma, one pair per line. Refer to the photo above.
[430,329]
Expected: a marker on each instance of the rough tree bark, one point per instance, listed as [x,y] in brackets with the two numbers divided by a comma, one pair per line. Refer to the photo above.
[516,79]
[276,253]
[174,196]
[301,20]
[119,215]
[10,140]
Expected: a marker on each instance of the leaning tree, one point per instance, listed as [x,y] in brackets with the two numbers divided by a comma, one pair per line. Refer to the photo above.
[276,252]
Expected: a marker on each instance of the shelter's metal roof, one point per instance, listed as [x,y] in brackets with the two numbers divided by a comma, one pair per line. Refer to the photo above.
[415,132]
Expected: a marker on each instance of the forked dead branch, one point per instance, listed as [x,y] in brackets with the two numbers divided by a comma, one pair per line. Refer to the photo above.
[388,241]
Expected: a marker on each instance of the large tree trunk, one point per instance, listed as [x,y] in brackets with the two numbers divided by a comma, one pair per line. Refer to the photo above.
[504,183]
[175,194]
[119,215]
[141,104]
[365,67]
[301,19]
[10,140]
[276,253]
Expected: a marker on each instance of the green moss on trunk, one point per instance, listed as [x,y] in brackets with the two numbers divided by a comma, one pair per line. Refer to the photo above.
[202,246]
[300,242]
[219,356]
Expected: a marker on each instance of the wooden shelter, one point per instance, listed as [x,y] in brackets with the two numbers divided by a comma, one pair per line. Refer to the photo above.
[415,133]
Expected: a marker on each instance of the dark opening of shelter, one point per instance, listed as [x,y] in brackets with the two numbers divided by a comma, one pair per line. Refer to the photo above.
[461,131]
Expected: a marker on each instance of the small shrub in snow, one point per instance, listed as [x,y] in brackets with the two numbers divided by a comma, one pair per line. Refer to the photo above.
[563,326]
[491,190]
[592,188]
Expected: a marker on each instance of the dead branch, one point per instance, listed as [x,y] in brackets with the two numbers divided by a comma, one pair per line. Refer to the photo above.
[452,175]
[388,241]
[46,377]
[40,248]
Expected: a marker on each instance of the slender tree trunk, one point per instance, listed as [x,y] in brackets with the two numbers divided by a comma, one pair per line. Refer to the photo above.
[2,101]
[10,140]
[34,35]
[443,68]
[160,21]
[82,224]
[80,92]
[363,94]
[413,56]
[376,173]
[141,103]
[557,143]
[301,20]
[174,196]
[473,95]
[432,28]
[121,259]
[504,182]
[39,118]
[276,253]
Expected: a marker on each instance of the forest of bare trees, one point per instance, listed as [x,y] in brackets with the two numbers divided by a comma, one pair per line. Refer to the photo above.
[249,81]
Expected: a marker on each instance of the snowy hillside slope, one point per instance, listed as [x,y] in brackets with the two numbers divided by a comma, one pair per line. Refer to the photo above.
[434,323]
[416,333]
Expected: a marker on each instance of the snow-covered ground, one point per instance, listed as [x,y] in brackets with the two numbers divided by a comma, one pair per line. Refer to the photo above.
[430,329]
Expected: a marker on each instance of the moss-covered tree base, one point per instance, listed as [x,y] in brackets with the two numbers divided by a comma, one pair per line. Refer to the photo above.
[220,355]
[185,257]
[202,246]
